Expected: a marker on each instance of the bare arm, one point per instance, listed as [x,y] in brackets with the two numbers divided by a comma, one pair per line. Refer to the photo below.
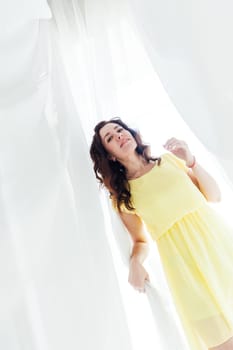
[200,177]
[205,183]
[134,226]
[137,273]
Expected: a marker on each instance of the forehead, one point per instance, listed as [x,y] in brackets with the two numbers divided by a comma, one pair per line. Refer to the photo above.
[108,128]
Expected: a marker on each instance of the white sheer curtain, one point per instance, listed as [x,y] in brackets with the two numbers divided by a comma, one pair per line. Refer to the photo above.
[59,266]
[88,38]
[94,41]
[189,43]
[52,230]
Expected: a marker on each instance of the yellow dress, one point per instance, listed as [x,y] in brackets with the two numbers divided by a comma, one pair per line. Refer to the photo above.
[195,248]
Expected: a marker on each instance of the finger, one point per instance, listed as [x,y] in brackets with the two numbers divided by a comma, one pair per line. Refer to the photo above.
[147,278]
[177,143]
[171,139]
[176,146]
[139,287]
[171,146]
[171,143]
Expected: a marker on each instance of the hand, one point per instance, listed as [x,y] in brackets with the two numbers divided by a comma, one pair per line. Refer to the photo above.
[137,275]
[180,149]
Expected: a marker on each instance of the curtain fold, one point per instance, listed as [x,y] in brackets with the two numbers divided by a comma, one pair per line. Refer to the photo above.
[99,306]
[92,37]
[190,47]
[52,231]
[59,283]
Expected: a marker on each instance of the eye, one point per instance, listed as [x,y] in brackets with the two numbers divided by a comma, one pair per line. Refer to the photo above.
[109,138]
[120,129]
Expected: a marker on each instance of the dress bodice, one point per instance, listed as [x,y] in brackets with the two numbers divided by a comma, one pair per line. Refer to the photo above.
[164,195]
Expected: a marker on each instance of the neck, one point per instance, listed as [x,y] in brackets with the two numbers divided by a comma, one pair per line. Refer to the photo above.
[134,165]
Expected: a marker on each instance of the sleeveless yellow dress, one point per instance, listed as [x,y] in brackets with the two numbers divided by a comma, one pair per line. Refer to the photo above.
[195,248]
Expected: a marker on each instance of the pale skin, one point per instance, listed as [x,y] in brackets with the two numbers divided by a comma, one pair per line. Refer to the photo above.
[120,146]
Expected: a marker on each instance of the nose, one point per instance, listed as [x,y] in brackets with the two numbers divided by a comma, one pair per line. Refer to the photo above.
[119,135]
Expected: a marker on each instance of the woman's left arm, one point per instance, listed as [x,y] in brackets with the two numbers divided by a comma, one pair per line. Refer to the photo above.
[200,177]
[204,182]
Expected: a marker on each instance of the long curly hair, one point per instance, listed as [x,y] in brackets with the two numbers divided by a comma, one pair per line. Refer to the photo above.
[112,174]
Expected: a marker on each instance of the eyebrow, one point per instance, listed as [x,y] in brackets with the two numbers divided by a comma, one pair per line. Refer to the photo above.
[115,127]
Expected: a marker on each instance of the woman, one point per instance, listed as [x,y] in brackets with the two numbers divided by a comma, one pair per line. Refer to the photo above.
[169,194]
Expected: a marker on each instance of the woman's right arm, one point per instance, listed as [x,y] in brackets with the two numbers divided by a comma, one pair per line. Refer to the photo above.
[137,273]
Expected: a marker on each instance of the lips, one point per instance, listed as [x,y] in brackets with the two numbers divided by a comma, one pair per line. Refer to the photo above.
[123,142]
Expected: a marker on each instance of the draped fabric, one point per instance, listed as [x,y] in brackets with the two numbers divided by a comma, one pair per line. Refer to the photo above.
[189,44]
[52,231]
[59,282]
[88,59]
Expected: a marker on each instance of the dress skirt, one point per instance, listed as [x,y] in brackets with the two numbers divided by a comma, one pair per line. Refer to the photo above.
[197,258]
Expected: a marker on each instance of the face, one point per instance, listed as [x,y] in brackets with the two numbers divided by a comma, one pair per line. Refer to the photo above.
[117,141]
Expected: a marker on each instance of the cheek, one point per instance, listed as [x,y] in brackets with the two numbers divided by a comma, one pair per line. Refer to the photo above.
[109,147]
[131,136]
[105,145]
[132,139]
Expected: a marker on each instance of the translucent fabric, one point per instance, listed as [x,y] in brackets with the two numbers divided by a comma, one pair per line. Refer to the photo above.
[193,58]
[197,255]
[59,287]
[51,246]
[65,51]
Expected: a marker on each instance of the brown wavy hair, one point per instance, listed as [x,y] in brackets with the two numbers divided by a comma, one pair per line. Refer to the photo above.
[112,174]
